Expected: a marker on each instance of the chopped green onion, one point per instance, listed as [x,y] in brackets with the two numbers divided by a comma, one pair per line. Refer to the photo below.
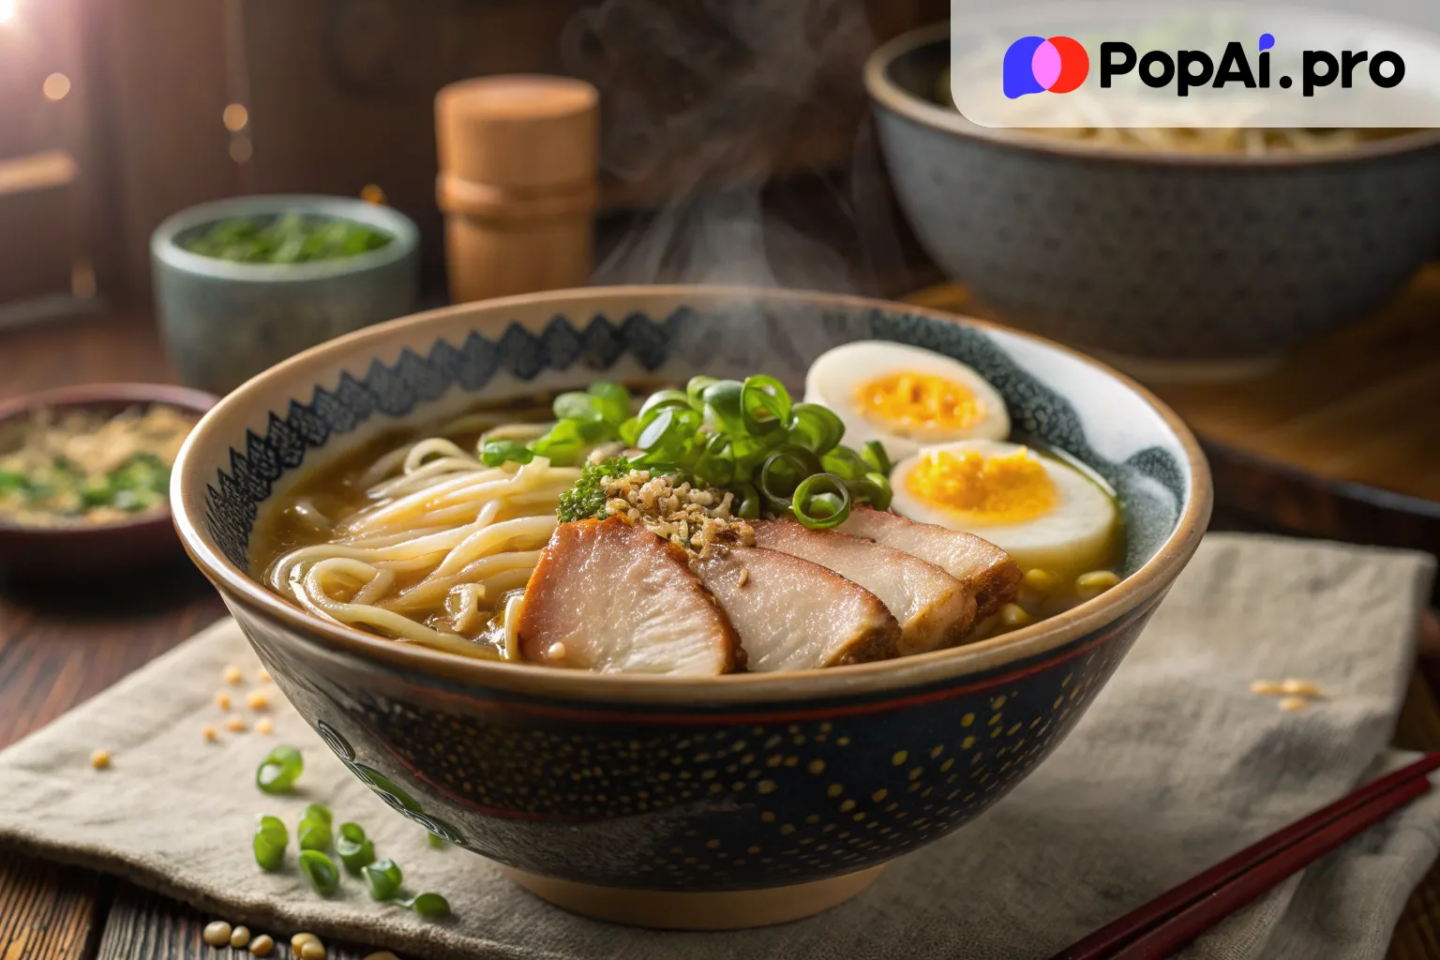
[431,906]
[815,428]
[821,501]
[630,431]
[355,849]
[696,388]
[438,842]
[611,400]
[317,811]
[722,406]
[496,453]
[576,406]
[278,772]
[320,871]
[764,405]
[663,400]
[384,878]
[875,456]
[873,488]
[270,840]
[748,498]
[782,472]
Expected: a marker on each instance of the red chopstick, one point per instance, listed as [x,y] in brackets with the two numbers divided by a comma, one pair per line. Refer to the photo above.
[1197,904]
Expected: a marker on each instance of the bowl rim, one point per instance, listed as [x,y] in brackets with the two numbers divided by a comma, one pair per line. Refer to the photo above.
[95,395]
[404,234]
[1150,582]
[885,93]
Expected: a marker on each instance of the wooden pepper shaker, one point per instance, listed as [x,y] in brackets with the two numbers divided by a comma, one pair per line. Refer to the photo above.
[519,161]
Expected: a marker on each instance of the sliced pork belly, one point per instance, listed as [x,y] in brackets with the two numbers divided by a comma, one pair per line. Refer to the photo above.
[933,608]
[797,615]
[990,573]
[615,598]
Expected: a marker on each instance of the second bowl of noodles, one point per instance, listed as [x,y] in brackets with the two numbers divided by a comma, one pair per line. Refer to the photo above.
[1156,246]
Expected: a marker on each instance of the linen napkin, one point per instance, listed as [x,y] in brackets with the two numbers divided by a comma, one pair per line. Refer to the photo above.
[1176,765]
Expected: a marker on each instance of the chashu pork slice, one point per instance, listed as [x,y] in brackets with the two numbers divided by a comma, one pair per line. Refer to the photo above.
[933,608]
[797,615]
[990,573]
[615,598]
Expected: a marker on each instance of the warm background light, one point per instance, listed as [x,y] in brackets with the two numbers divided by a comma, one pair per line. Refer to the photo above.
[241,149]
[56,85]
[7,11]
[236,117]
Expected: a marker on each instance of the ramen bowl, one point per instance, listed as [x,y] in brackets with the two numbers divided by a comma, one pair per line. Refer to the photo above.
[1166,257]
[699,803]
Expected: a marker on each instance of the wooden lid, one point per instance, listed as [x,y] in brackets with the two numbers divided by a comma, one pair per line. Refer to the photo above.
[519,131]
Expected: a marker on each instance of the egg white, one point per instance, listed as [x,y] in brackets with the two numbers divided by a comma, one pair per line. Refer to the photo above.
[1075,535]
[835,375]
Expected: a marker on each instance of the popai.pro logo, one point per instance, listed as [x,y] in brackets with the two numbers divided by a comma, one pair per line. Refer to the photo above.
[1037,65]
[1060,65]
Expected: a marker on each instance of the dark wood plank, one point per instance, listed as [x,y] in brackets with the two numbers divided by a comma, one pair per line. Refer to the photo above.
[144,924]
[47,912]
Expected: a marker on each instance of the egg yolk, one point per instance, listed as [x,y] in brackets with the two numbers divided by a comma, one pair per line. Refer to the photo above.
[918,400]
[1012,488]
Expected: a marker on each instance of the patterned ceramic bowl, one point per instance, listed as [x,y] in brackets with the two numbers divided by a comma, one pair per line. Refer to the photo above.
[1163,256]
[656,800]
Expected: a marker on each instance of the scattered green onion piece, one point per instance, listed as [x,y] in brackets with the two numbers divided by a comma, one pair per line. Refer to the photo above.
[270,840]
[764,405]
[496,453]
[313,833]
[355,849]
[384,878]
[821,501]
[671,435]
[431,906]
[696,388]
[317,811]
[716,466]
[561,444]
[320,871]
[278,772]
[612,400]
[844,463]
[877,492]
[875,457]
[437,842]
[815,428]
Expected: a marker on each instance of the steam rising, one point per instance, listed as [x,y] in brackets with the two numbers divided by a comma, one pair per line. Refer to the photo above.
[701,96]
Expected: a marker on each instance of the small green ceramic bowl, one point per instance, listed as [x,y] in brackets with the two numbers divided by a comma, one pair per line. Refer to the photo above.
[733,801]
[224,321]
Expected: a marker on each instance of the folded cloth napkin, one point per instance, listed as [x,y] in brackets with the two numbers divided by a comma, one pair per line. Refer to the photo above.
[1177,765]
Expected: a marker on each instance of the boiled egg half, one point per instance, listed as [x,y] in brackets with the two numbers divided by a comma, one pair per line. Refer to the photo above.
[1041,511]
[905,397]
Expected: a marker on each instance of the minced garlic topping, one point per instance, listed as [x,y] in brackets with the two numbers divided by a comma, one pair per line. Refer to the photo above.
[693,518]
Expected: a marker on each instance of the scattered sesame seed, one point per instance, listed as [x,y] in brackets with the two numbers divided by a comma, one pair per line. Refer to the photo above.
[1266,687]
[556,651]
[240,937]
[313,950]
[262,945]
[300,939]
[263,725]
[1294,704]
[217,933]
[222,700]
[382,955]
[257,700]
[100,759]
[232,674]
[1300,688]
[209,733]
[264,676]
[235,725]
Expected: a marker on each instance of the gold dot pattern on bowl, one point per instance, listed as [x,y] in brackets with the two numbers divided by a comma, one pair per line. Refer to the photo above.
[787,801]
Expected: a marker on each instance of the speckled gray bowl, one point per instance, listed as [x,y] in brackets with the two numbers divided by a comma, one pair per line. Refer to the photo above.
[1160,256]
[224,322]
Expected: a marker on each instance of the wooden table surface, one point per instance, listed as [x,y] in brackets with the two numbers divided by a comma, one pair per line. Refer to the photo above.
[58,649]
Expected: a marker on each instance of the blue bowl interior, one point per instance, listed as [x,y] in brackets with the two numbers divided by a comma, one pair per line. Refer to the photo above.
[1055,398]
